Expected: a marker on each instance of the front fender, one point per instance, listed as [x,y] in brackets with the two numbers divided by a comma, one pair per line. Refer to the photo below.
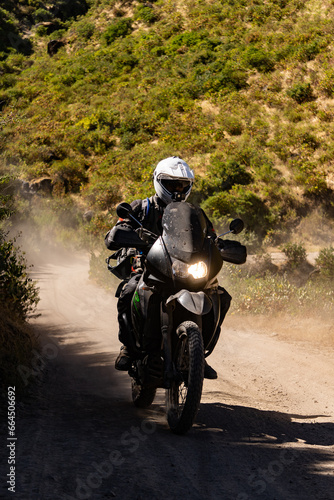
[195,302]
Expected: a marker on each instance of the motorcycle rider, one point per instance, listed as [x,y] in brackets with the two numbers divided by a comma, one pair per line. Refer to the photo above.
[173,180]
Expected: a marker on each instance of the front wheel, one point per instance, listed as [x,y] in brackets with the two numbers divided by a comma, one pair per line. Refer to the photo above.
[184,396]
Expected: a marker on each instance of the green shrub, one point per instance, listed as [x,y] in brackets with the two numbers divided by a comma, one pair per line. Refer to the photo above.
[42,15]
[259,59]
[308,51]
[232,124]
[125,62]
[229,173]
[68,176]
[85,30]
[6,197]
[231,76]
[11,40]
[118,29]
[240,202]
[146,14]
[7,25]
[18,294]
[41,31]
[57,34]
[295,253]
[309,139]
[185,39]
[326,83]
[313,179]
[105,118]
[325,261]
[301,92]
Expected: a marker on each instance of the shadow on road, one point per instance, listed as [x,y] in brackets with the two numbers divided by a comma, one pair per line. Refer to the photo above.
[80,437]
[243,423]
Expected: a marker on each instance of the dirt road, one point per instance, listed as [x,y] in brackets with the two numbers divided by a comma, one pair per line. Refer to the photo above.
[265,429]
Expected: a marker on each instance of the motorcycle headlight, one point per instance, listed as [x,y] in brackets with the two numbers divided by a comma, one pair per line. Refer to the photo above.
[182,270]
[198,270]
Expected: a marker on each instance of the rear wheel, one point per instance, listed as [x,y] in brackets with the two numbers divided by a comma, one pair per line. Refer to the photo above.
[142,396]
[184,396]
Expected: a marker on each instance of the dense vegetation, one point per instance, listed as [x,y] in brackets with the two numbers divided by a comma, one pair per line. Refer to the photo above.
[241,89]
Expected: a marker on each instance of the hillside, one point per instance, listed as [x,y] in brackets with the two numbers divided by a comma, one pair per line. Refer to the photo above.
[242,90]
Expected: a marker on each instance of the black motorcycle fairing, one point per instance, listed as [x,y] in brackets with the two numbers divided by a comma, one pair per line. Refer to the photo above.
[158,261]
[195,302]
[184,231]
[185,238]
[145,317]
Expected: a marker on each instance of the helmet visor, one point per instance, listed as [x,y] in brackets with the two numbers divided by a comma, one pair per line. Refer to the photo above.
[176,185]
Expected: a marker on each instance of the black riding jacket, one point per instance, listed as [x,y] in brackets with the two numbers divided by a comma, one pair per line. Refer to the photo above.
[149,212]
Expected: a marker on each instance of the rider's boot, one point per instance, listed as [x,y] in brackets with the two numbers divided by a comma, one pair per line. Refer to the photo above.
[123,360]
[209,372]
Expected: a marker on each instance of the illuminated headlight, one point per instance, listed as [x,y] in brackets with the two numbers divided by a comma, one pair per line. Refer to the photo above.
[198,270]
[182,270]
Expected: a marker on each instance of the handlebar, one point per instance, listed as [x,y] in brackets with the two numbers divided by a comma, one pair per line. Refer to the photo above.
[146,235]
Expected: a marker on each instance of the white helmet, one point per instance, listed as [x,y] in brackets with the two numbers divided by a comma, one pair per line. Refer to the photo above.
[173,179]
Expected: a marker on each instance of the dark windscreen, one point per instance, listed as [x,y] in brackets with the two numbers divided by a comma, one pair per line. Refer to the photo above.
[184,230]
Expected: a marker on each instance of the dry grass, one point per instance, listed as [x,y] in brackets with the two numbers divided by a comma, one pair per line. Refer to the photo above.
[314,329]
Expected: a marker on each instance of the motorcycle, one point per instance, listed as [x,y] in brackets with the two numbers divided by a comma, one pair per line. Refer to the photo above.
[176,307]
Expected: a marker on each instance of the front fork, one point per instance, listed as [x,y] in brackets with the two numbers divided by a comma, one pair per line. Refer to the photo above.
[166,332]
[166,315]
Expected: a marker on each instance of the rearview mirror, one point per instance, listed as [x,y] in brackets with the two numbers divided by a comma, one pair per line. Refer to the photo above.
[236,226]
[124,210]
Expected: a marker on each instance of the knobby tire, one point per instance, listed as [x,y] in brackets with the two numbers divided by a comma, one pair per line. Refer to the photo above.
[183,398]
